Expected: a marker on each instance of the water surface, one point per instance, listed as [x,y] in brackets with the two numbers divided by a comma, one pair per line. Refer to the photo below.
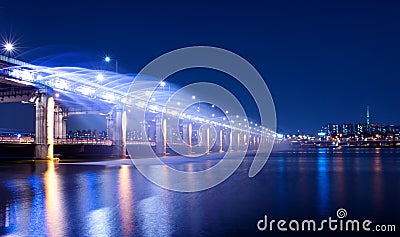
[116,200]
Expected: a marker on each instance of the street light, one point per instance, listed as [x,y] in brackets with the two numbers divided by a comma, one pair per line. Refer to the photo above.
[107,59]
[9,47]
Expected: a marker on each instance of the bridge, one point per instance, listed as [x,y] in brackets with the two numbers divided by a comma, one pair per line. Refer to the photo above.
[60,92]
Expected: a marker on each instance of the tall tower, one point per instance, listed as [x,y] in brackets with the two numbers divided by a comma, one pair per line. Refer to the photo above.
[368,121]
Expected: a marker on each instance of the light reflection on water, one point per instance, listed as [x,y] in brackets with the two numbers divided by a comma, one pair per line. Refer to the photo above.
[125,195]
[54,205]
[53,199]
[323,182]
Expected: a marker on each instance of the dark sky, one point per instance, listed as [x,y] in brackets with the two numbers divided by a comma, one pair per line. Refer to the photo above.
[324,61]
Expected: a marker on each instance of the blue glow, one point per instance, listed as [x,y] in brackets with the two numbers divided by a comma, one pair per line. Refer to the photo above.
[100,77]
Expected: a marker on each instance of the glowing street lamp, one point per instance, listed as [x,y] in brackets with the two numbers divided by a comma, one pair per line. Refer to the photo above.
[163,84]
[107,59]
[9,47]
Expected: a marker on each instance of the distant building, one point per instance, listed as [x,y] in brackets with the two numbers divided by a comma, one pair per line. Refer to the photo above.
[331,129]
[360,130]
[347,129]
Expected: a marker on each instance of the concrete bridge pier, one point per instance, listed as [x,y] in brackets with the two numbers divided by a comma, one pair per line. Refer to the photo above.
[219,141]
[229,140]
[239,140]
[144,131]
[109,124]
[204,139]
[44,126]
[64,127]
[254,143]
[207,141]
[59,123]
[117,127]
[245,141]
[161,136]
[263,140]
[257,141]
[187,135]
[236,140]
[232,140]
[151,133]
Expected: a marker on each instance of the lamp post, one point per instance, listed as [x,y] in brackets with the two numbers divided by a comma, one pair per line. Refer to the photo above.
[108,59]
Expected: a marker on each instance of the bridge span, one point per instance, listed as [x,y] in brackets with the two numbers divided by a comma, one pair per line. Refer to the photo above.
[60,92]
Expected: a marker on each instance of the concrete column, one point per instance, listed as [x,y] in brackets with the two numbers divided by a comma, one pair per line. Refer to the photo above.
[259,141]
[230,140]
[143,131]
[44,126]
[58,124]
[187,134]
[245,142]
[119,132]
[204,135]
[208,140]
[64,127]
[225,139]
[169,137]
[219,139]
[161,136]
[151,132]
[238,141]
[262,142]
[234,140]
[109,124]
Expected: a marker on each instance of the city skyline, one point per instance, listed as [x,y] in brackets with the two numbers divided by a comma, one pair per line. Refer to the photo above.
[323,61]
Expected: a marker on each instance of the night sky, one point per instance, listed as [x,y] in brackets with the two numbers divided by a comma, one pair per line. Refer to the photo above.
[324,61]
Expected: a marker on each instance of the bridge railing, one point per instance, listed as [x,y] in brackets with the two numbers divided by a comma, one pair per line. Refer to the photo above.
[82,141]
[14,61]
